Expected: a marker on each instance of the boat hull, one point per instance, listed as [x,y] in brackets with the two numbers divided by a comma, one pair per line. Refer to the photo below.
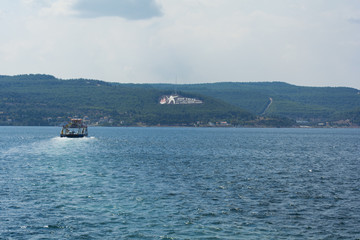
[73,135]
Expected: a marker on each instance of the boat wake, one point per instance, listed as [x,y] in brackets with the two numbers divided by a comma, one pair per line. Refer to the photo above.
[55,146]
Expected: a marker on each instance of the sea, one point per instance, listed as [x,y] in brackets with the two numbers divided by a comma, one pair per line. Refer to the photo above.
[180,183]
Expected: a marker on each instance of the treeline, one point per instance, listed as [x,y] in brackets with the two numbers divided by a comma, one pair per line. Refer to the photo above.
[289,101]
[45,100]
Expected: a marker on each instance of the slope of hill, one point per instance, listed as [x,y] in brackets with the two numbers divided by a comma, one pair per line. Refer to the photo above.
[301,103]
[45,100]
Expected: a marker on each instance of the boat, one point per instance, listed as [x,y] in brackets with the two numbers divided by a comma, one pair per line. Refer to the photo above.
[74,129]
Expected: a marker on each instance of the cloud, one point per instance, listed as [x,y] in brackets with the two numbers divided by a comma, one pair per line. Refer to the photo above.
[128,9]
[354,20]
[39,3]
[302,42]
[56,8]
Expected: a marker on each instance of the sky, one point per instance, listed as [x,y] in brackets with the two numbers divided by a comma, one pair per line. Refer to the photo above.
[301,42]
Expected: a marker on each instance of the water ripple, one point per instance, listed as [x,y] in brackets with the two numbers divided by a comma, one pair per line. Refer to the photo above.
[133,183]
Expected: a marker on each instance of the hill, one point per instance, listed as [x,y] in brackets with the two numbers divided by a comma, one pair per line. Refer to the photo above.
[305,104]
[46,100]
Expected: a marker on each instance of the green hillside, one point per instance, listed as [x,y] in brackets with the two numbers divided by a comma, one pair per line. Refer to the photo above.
[45,100]
[301,103]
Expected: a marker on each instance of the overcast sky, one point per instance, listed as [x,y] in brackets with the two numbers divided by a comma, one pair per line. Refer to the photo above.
[302,42]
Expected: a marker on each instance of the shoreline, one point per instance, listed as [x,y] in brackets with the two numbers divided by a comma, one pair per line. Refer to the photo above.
[179,126]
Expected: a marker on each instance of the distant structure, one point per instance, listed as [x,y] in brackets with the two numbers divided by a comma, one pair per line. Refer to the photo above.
[177,99]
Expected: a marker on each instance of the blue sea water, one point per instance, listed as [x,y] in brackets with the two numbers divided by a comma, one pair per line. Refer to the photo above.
[180,183]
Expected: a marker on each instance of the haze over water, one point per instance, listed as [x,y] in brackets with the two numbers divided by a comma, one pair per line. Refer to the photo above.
[180,183]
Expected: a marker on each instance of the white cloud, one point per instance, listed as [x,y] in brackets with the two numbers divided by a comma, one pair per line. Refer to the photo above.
[58,8]
[300,42]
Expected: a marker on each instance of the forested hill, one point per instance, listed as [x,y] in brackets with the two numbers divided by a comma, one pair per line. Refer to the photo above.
[46,100]
[313,104]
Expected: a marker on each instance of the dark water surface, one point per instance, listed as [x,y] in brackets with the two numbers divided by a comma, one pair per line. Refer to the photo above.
[180,183]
